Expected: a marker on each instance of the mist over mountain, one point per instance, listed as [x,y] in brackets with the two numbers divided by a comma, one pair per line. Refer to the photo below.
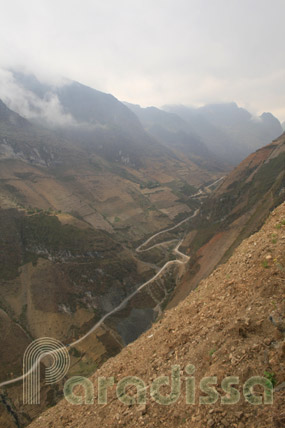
[85,105]
[10,118]
[249,131]
[221,131]
[84,115]
[127,133]
[171,131]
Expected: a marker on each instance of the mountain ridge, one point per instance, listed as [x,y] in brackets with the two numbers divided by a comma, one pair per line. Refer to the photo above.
[235,209]
[229,131]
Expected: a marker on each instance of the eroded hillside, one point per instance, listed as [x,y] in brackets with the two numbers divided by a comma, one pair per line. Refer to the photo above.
[231,325]
[236,209]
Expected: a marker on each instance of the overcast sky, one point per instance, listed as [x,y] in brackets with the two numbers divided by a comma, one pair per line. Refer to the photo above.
[155,52]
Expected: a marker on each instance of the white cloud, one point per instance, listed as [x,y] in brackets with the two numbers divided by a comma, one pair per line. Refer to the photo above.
[154,52]
[29,105]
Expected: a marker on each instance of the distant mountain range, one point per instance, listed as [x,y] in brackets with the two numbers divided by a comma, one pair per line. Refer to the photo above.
[225,132]
[229,131]
[124,132]
[89,117]
[170,129]
[103,124]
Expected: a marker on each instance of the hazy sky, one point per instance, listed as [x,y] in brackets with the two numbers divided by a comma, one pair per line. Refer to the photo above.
[155,52]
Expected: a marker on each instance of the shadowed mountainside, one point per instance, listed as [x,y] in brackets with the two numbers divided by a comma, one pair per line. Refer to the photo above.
[229,131]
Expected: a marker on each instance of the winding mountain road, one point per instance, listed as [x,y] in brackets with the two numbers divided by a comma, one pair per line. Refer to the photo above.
[140,247]
[183,259]
[128,298]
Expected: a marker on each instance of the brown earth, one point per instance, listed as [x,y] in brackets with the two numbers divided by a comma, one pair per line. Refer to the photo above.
[231,325]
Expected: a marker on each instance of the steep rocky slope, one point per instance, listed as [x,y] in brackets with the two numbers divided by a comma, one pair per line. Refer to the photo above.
[232,325]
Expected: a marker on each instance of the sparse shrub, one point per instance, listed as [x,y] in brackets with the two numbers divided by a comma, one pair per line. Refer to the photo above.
[188,190]
[265,264]
[271,377]
[75,352]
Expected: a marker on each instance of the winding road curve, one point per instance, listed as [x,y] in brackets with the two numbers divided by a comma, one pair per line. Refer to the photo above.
[202,192]
[140,250]
[183,259]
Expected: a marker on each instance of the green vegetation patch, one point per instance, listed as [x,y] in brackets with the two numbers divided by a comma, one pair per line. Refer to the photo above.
[46,231]
[24,237]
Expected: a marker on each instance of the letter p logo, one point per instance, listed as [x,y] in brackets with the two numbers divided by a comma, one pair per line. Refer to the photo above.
[35,352]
